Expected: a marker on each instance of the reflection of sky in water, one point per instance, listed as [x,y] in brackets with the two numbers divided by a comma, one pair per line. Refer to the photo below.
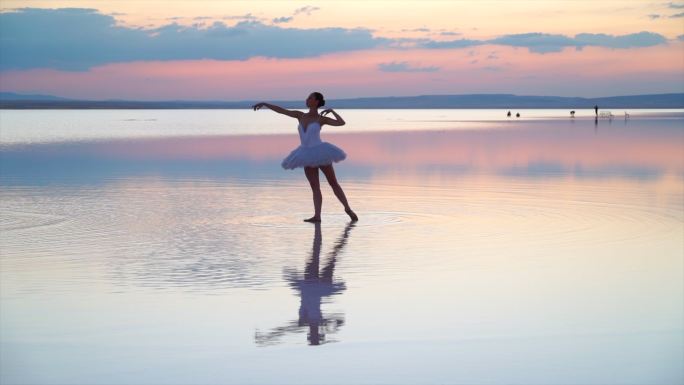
[639,150]
[544,253]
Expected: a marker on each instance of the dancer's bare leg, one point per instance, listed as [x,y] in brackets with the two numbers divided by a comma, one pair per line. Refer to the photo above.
[329,173]
[312,176]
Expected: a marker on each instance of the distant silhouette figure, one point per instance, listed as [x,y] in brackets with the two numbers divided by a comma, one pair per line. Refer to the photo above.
[508,114]
[596,110]
[517,114]
[314,154]
[572,114]
[314,285]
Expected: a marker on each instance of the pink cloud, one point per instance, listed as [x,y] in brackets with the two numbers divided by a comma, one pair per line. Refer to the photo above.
[588,72]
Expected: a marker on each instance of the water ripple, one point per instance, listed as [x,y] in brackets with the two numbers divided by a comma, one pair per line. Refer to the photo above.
[17,220]
[200,235]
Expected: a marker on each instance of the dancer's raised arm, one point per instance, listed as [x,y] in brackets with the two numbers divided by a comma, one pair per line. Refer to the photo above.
[280,110]
[338,121]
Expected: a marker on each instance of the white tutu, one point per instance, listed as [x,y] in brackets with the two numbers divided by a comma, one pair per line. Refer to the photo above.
[318,155]
[312,152]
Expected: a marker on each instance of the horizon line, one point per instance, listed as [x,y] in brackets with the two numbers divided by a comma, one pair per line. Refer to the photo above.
[294,100]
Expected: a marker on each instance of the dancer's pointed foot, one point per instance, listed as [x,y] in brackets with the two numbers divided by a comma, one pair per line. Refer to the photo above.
[313,219]
[352,215]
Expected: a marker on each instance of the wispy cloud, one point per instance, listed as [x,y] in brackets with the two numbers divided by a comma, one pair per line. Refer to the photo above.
[675,6]
[677,15]
[404,67]
[653,16]
[459,43]
[246,16]
[492,68]
[536,42]
[284,19]
[640,39]
[307,10]
[423,29]
[543,42]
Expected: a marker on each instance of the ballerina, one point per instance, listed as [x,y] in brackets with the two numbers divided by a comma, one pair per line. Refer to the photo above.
[314,154]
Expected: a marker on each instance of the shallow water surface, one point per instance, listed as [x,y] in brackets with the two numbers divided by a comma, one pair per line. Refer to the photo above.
[546,252]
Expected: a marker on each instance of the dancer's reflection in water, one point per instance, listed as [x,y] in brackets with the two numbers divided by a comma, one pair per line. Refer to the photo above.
[313,286]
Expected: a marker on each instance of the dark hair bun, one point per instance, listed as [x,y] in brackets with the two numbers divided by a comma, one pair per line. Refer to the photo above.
[319,98]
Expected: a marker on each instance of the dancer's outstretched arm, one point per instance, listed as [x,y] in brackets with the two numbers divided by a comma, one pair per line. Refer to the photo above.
[338,121]
[280,110]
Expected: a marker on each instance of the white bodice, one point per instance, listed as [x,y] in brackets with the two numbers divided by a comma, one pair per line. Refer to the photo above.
[312,135]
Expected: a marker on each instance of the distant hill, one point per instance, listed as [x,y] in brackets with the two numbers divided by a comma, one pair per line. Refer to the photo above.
[503,101]
[12,96]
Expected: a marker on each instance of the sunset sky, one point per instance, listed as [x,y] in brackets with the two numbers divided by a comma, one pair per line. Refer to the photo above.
[238,50]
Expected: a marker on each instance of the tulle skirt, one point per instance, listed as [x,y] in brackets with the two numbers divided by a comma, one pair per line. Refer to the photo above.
[314,156]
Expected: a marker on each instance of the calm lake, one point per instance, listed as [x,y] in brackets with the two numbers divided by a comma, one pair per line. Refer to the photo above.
[167,247]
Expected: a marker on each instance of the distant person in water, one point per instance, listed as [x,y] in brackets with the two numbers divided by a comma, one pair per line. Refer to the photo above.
[314,154]
[517,114]
[596,110]
[508,114]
